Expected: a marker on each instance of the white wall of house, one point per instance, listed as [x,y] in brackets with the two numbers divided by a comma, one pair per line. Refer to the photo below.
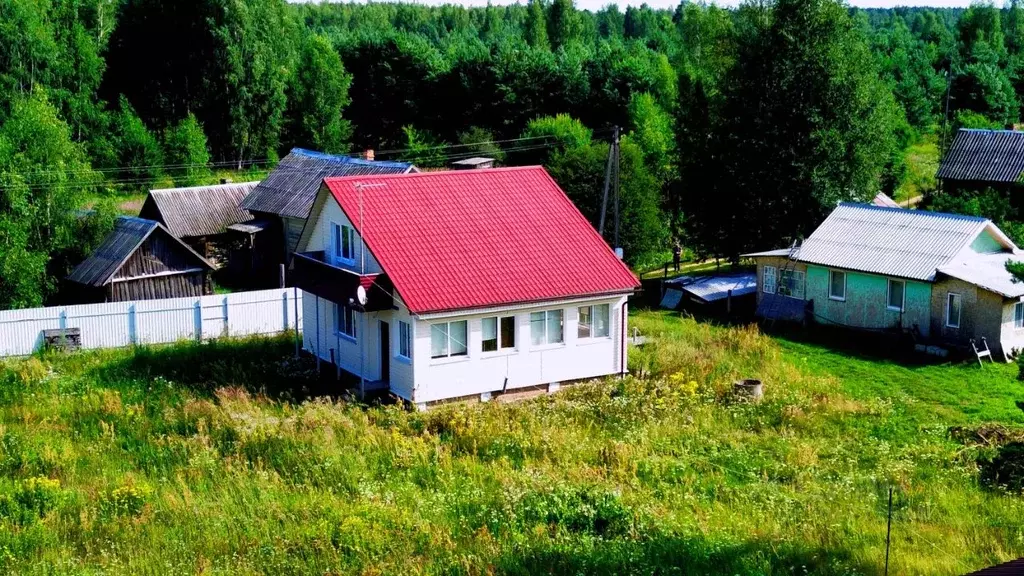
[424,379]
[1011,336]
[525,365]
[320,239]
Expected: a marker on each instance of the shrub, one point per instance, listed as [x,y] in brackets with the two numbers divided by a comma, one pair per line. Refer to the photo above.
[126,501]
[31,500]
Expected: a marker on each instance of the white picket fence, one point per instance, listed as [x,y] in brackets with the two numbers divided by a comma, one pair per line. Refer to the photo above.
[118,324]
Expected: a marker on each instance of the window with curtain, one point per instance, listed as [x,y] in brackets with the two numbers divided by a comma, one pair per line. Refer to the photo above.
[593,321]
[448,339]
[546,327]
[498,333]
[1018,315]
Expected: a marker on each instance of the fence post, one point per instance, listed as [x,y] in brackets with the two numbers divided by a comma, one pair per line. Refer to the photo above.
[295,300]
[227,324]
[284,311]
[132,327]
[197,318]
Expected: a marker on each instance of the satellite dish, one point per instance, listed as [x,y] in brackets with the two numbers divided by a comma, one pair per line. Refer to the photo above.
[361,296]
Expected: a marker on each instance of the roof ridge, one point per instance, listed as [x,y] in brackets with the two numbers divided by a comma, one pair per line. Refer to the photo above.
[342,158]
[202,187]
[915,213]
[438,173]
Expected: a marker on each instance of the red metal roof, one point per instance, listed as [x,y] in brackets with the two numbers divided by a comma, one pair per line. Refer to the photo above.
[479,238]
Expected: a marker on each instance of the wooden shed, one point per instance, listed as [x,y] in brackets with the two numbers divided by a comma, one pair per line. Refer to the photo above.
[140,260]
[200,215]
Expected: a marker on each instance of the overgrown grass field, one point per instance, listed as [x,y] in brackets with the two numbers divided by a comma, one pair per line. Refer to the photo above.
[203,459]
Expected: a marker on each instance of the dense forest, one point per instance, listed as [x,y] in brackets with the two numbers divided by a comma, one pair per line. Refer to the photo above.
[740,128]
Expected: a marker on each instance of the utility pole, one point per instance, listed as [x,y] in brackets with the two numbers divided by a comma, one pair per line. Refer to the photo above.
[617,246]
[612,156]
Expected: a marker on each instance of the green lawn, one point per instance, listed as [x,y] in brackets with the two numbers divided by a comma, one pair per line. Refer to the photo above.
[922,160]
[208,459]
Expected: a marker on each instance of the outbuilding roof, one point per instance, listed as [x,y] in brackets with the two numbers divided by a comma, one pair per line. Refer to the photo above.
[128,234]
[198,210]
[470,239]
[291,187]
[984,156]
[891,241]
[987,271]
[715,287]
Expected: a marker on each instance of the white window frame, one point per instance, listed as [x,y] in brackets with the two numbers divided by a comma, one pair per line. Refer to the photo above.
[888,296]
[773,286]
[1018,315]
[591,328]
[547,339]
[959,309]
[499,345]
[339,233]
[404,341]
[345,322]
[831,276]
[448,347]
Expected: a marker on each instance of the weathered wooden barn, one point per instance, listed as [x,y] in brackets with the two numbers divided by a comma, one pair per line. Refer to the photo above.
[200,215]
[140,260]
[980,159]
[280,204]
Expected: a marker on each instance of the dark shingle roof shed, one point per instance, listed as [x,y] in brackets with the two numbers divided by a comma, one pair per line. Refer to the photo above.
[128,234]
[984,156]
[291,187]
[198,210]
[1012,568]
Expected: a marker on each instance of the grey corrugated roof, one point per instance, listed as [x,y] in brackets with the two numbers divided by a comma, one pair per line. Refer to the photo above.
[883,199]
[985,156]
[128,234]
[717,287]
[291,187]
[890,241]
[987,271]
[776,252]
[198,210]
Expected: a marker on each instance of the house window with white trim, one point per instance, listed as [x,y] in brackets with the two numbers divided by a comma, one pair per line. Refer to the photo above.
[498,333]
[791,284]
[768,280]
[896,298]
[1018,315]
[343,243]
[448,339]
[593,321]
[344,321]
[953,306]
[837,285]
[546,327]
[404,340]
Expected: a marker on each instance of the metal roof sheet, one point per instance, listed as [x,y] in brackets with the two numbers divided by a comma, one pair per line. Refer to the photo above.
[468,239]
[717,287]
[198,210]
[291,187]
[987,271]
[883,199]
[128,234]
[984,156]
[890,241]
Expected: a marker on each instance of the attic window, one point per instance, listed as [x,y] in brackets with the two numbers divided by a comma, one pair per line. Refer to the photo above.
[343,243]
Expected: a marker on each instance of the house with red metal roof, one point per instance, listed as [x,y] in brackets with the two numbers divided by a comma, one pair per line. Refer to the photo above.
[460,284]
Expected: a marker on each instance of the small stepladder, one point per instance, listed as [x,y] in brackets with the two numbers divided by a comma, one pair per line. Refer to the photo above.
[983,351]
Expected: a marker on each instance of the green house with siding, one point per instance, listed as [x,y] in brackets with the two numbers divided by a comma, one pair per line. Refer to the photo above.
[941,277]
